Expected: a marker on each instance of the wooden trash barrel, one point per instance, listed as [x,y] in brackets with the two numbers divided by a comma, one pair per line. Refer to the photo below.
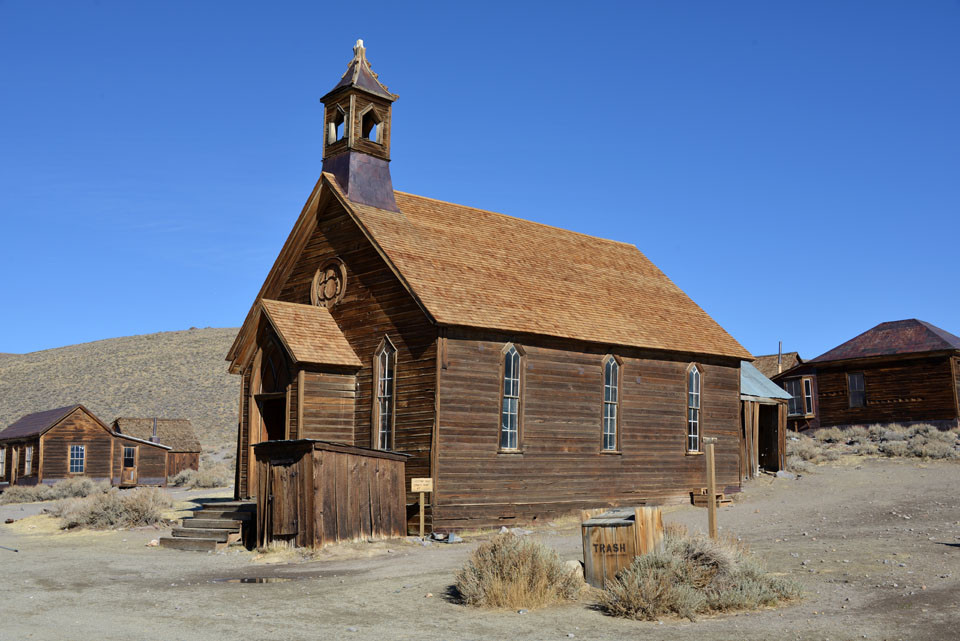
[613,537]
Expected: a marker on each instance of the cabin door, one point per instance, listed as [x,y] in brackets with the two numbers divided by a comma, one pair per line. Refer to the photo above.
[769,441]
[14,464]
[128,470]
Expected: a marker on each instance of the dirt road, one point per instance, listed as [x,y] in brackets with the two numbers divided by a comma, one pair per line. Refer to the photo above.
[875,542]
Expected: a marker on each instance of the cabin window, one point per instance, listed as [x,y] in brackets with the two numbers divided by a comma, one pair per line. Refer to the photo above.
[28,461]
[129,456]
[808,395]
[510,399]
[611,403]
[801,396]
[77,456]
[693,409]
[385,375]
[855,389]
[3,462]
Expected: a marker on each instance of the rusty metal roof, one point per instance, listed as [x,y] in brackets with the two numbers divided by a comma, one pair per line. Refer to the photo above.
[38,422]
[893,338]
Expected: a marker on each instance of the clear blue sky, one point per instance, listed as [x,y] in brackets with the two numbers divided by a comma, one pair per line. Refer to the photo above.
[794,167]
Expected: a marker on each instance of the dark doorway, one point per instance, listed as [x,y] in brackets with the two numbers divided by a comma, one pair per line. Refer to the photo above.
[769,438]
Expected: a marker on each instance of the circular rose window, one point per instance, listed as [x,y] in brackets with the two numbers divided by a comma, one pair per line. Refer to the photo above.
[329,283]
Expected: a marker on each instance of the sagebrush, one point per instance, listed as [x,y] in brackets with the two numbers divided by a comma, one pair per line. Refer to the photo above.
[213,475]
[516,572]
[69,488]
[892,440]
[114,509]
[691,576]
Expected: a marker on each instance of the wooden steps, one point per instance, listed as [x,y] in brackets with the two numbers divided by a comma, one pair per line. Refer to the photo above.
[214,526]
[700,498]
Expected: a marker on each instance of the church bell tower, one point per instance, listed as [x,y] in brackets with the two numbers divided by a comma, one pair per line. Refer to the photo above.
[356,140]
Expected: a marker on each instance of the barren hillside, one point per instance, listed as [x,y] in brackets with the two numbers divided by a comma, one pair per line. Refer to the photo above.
[168,375]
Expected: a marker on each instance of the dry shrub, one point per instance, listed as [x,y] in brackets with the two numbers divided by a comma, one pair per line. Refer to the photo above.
[216,475]
[798,464]
[69,488]
[515,572]
[114,509]
[804,447]
[830,435]
[893,440]
[691,576]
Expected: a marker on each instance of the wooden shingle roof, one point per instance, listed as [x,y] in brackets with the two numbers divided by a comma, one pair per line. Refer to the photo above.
[310,334]
[767,364]
[893,338]
[177,433]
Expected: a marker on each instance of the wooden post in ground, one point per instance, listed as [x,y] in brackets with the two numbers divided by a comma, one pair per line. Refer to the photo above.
[422,485]
[711,489]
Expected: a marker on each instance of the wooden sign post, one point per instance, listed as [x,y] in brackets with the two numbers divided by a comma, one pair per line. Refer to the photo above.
[711,489]
[423,486]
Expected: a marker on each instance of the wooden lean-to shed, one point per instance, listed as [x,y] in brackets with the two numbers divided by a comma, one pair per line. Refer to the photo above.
[311,493]
[530,371]
[763,423]
[177,433]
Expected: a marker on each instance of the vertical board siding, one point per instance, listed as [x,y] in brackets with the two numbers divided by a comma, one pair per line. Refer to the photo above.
[292,414]
[375,304]
[904,390]
[329,407]
[151,463]
[179,461]
[561,467]
[77,429]
[240,491]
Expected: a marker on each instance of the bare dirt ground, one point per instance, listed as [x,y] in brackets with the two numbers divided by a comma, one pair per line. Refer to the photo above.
[876,543]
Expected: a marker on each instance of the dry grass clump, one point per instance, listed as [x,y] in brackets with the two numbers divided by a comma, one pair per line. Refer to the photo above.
[214,475]
[114,509]
[515,572]
[69,488]
[691,576]
[923,441]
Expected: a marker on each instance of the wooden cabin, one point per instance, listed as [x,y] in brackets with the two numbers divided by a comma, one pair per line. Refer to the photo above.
[177,433]
[528,370]
[763,423]
[905,371]
[71,442]
[772,364]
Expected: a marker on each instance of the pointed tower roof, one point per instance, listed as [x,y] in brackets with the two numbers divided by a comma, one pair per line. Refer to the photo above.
[891,338]
[360,76]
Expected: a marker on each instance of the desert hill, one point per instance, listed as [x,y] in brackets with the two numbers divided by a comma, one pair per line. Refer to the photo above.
[167,375]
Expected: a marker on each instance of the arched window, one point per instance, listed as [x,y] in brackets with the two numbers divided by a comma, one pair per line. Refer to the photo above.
[384,405]
[510,399]
[611,404]
[693,409]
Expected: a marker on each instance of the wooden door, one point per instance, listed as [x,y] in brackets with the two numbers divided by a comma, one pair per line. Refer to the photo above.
[14,463]
[284,499]
[128,465]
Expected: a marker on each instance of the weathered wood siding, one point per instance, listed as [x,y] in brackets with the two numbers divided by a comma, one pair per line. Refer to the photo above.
[180,461]
[329,407]
[561,467]
[375,304]
[919,389]
[77,429]
[243,442]
[151,463]
[956,377]
[293,393]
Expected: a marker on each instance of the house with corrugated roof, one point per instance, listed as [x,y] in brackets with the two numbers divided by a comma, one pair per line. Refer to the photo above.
[71,442]
[527,370]
[904,371]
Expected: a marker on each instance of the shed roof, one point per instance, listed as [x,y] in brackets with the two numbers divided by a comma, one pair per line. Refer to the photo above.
[893,338]
[754,384]
[37,423]
[767,364]
[310,334]
[178,433]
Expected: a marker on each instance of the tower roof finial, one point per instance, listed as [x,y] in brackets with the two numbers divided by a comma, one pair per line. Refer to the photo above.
[359,52]
[360,75]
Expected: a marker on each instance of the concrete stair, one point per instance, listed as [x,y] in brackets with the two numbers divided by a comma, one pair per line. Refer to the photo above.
[214,526]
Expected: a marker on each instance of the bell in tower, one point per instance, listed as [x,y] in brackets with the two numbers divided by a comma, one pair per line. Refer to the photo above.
[356,145]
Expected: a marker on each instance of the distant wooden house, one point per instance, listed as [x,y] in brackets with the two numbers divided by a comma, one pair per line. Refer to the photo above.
[178,433]
[772,364]
[763,423]
[71,442]
[900,371]
[530,371]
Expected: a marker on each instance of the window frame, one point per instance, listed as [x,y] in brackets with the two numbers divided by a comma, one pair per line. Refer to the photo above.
[693,367]
[521,389]
[798,398]
[27,460]
[3,462]
[375,415]
[862,391]
[123,456]
[618,386]
[82,448]
[806,386]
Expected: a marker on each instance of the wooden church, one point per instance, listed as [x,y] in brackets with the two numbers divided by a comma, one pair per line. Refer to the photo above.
[528,370]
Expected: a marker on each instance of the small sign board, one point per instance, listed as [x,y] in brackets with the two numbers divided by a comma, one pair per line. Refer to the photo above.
[421,485]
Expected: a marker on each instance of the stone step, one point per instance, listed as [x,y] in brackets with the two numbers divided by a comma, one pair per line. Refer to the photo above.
[212,524]
[212,513]
[186,543]
[220,536]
